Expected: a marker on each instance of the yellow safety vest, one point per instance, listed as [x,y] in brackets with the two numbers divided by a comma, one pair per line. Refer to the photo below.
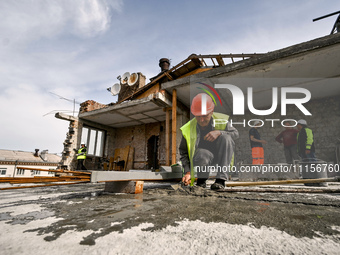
[83,156]
[189,132]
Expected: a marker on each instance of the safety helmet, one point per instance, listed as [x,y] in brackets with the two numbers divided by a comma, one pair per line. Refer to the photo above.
[302,122]
[82,143]
[202,104]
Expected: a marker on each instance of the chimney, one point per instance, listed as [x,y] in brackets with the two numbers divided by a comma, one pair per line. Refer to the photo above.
[36,153]
[164,64]
[43,155]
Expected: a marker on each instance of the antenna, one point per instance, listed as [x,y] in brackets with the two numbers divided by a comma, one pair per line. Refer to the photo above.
[336,24]
[132,80]
[115,89]
[125,77]
[70,100]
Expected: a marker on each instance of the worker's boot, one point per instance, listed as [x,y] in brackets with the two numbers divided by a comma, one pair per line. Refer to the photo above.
[201,183]
[218,184]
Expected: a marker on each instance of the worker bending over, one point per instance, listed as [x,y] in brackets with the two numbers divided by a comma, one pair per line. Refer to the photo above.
[207,143]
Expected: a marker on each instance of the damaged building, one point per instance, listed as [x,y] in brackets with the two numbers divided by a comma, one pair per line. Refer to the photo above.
[142,129]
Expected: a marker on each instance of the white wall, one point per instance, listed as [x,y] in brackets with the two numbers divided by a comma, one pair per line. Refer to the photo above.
[27,173]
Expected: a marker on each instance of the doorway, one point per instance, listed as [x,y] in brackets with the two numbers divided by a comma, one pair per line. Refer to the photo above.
[152,148]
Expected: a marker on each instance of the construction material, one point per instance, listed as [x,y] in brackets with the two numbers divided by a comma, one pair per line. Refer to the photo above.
[234,184]
[290,190]
[109,176]
[68,177]
[54,171]
[44,178]
[167,136]
[45,185]
[130,187]
[123,159]
[174,126]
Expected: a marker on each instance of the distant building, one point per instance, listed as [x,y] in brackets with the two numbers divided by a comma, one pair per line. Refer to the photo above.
[10,160]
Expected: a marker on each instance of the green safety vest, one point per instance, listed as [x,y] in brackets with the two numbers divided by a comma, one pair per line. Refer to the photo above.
[189,132]
[83,156]
[309,139]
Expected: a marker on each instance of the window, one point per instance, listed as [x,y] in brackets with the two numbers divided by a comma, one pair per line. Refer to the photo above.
[94,140]
[35,172]
[3,171]
[20,171]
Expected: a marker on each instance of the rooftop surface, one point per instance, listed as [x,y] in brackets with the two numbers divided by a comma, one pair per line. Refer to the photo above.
[82,219]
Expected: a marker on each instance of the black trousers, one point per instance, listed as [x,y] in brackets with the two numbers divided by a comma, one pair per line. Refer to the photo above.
[80,165]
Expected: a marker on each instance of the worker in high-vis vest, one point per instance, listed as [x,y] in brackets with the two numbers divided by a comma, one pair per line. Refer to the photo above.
[207,144]
[256,144]
[81,156]
[305,142]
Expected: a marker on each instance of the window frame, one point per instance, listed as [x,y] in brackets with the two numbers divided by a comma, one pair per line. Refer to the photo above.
[3,169]
[20,172]
[86,136]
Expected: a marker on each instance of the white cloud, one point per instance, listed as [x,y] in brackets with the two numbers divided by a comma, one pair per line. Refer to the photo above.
[24,21]
[77,48]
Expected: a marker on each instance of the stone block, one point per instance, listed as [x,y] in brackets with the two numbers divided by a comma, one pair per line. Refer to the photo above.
[130,187]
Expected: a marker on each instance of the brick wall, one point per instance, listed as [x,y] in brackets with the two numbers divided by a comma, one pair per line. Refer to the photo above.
[90,105]
[325,123]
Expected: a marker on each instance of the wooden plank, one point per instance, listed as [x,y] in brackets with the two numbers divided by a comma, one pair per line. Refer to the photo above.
[45,185]
[111,164]
[39,179]
[265,190]
[55,171]
[174,126]
[167,137]
[220,60]
[129,162]
[282,182]
[39,169]
[47,181]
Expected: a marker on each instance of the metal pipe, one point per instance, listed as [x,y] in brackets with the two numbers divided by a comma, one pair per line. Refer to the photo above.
[326,16]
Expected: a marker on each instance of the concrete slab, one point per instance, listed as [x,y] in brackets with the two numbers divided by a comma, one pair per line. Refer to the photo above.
[106,176]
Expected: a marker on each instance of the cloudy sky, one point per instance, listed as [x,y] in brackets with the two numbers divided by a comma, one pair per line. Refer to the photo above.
[53,52]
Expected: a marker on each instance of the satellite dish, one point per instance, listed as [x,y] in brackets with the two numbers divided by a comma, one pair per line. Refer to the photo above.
[115,89]
[125,77]
[132,79]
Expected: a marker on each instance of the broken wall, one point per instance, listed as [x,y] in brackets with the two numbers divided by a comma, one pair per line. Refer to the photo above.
[140,137]
[137,137]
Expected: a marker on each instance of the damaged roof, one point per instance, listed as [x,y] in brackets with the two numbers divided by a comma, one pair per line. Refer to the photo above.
[313,65]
